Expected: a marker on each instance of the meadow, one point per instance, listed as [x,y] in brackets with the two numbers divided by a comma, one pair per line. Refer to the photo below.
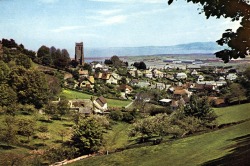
[212,148]
[69,94]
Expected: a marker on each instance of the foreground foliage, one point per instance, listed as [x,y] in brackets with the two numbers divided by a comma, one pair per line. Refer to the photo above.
[239,41]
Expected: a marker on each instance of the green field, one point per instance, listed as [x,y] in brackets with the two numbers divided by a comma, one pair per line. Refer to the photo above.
[233,114]
[117,137]
[69,94]
[195,150]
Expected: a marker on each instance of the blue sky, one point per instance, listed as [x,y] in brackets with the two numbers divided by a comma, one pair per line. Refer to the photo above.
[106,23]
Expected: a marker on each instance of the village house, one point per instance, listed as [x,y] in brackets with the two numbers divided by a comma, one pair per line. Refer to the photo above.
[194,67]
[132,73]
[134,82]
[97,65]
[148,74]
[231,76]
[158,85]
[200,78]
[143,84]
[83,73]
[98,75]
[181,76]
[87,82]
[110,78]
[165,102]
[183,93]
[125,88]
[100,105]
[221,83]
[157,73]
[67,76]
[81,106]
[194,73]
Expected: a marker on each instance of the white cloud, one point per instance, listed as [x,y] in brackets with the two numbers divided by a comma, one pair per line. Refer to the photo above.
[48,1]
[115,20]
[132,1]
[67,28]
[109,12]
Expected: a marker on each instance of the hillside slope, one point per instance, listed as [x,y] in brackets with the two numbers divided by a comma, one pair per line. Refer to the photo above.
[224,146]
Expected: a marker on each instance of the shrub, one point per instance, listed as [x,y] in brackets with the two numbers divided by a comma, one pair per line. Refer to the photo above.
[116,115]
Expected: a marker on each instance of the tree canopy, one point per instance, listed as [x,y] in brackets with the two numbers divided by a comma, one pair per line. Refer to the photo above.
[238,10]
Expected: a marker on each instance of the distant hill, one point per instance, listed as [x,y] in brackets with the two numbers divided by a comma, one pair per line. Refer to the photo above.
[190,48]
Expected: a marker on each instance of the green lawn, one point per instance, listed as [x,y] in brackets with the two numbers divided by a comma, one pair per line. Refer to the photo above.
[191,151]
[194,150]
[117,137]
[69,94]
[53,128]
[233,114]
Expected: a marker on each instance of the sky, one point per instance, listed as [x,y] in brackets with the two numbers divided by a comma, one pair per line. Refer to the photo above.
[107,23]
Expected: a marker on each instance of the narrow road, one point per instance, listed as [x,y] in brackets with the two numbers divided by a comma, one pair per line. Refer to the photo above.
[129,104]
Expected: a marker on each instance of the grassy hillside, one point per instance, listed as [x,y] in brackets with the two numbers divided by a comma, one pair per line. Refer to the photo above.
[230,144]
[233,114]
[191,151]
[117,137]
[69,94]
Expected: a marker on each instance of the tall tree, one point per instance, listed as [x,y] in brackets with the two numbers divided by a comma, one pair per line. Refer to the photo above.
[4,72]
[26,127]
[239,41]
[88,135]
[62,58]
[43,54]
[200,108]
[30,85]
[236,92]
[8,129]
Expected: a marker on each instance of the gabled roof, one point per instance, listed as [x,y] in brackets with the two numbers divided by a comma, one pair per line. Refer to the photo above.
[180,92]
[83,72]
[106,76]
[98,75]
[101,101]
[124,87]
[91,79]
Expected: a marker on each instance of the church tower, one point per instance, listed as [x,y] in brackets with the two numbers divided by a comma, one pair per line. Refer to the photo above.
[79,53]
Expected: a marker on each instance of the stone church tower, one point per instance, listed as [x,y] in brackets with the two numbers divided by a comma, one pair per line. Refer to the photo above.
[79,53]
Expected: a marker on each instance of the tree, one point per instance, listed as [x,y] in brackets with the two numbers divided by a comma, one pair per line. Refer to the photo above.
[88,67]
[236,91]
[30,85]
[140,65]
[50,109]
[62,58]
[200,108]
[87,135]
[63,107]
[62,133]
[74,63]
[116,61]
[116,115]
[44,137]
[239,41]
[4,71]
[42,51]
[43,54]
[26,127]
[159,125]
[23,60]
[8,132]
[7,95]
